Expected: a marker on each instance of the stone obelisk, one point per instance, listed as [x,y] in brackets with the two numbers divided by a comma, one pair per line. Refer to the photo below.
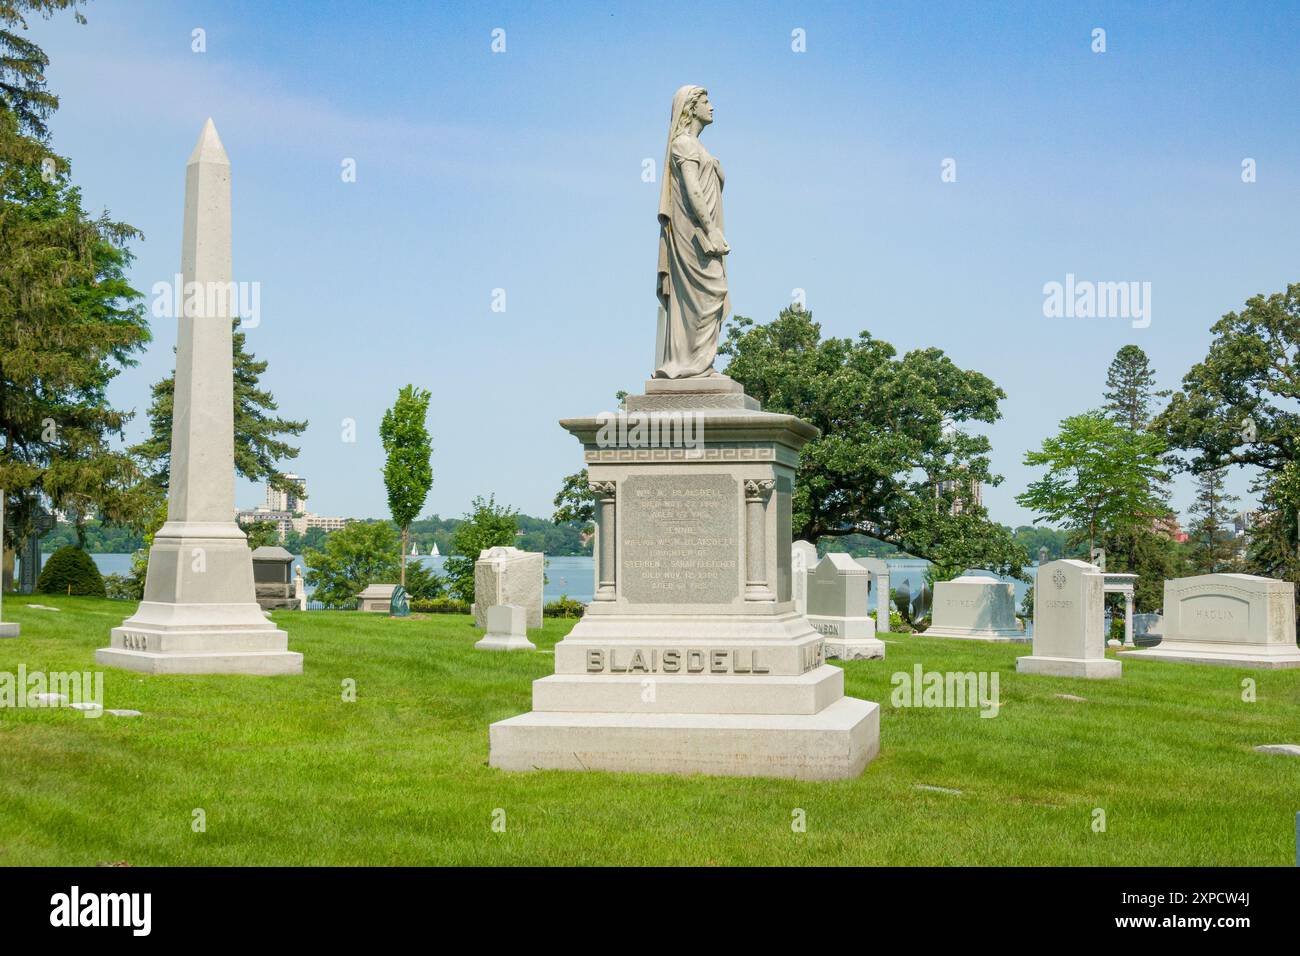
[200,613]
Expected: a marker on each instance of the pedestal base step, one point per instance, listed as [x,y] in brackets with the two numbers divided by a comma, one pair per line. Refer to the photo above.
[9,629]
[834,744]
[992,635]
[630,694]
[855,649]
[1069,667]
[500,642]
[217,662]
[1239,655]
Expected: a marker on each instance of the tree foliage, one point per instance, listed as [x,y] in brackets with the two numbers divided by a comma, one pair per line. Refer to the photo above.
[1130,388]
[408,475]
[893,431]
[486,525]
[1214,546]
[69,323]
[23,91]
[1102,478]
[354,557]
[258,446]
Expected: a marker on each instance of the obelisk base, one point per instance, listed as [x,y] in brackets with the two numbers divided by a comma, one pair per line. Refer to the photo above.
[200,614]
[9,630]
[836,743]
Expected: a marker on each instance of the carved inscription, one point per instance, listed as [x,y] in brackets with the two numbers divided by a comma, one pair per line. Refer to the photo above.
[680,539]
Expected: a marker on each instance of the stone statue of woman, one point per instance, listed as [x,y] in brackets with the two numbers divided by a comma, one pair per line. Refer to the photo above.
[692,281]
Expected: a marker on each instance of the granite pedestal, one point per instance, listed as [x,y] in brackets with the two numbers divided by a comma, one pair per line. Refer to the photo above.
[692,657]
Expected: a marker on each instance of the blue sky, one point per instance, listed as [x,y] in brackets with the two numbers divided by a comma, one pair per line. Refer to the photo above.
[522,171]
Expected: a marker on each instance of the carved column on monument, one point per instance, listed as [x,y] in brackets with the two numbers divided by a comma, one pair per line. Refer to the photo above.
[607,587]
[757,491]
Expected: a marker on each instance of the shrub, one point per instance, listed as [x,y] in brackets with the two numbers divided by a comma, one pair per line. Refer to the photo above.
[123,587]
[564,607]
[440,605]
[70,570]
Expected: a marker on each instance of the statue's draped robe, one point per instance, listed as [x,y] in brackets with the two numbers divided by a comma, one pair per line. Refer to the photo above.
[692,286]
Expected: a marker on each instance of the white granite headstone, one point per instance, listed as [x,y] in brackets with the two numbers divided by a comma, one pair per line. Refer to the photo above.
[200,613]
[1238,620]
[506,575]
[803,558]
[837,607]
[1069,638]
[975,607]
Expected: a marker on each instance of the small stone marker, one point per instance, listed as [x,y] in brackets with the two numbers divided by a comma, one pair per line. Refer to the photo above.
[1074,697]
[125,713]
[376,599]
[49,700]
[1068,623]
[1290,750]
[879,572]
[1237,620]
[506,629]
[933,789]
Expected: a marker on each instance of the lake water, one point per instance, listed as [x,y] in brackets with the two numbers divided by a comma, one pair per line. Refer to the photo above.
[573,575]
[570,576]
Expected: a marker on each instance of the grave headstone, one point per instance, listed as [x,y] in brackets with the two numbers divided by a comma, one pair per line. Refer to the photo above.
[975,607]
[837,607]
[803,558]
[1069,640]
[376,598]
[200,613]
[273,578]
[507,629]
[1238,620]
[30,557]
[9,629]
[879,572]
[506,575]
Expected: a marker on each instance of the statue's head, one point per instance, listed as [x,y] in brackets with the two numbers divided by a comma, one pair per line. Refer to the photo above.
[695,105]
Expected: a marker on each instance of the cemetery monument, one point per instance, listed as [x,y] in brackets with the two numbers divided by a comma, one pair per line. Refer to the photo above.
[1068,629]
[200,613]
[692,657]
[1238,620]
[837,607]
[975,607]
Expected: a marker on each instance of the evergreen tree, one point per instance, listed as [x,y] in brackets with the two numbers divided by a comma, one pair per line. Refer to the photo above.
[1130,383]
[258,447]
[69,323]
[1214,545]
[23,92]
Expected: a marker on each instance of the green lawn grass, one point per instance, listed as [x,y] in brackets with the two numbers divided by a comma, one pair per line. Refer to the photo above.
[287,772]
